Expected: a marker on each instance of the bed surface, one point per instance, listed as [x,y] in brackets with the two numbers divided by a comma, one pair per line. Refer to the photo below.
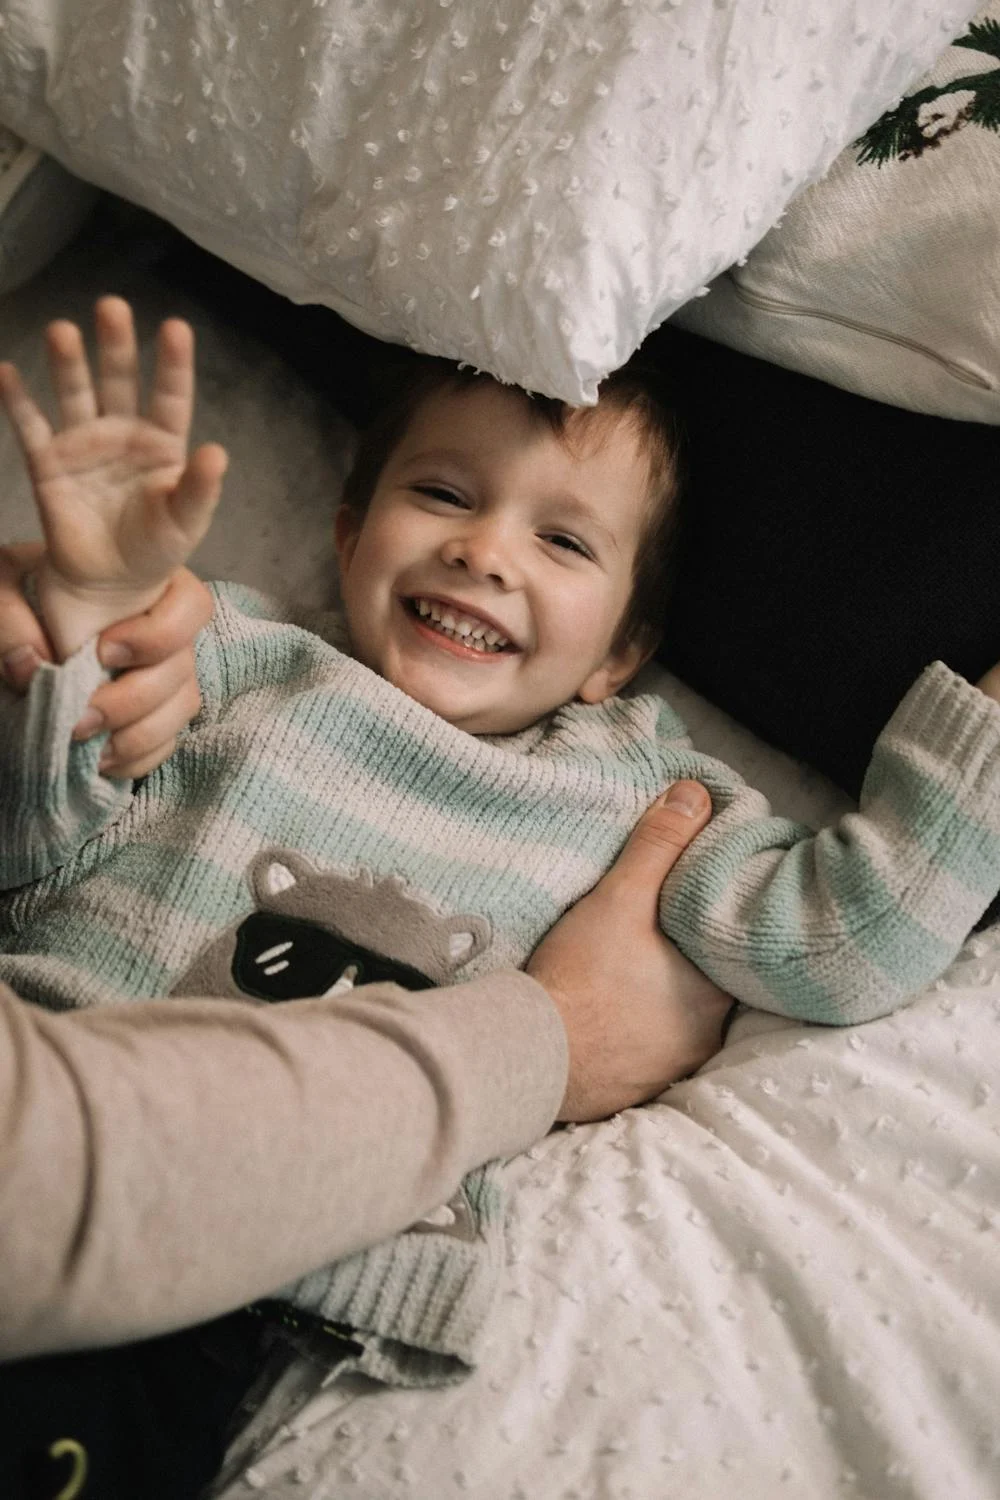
[780,1280]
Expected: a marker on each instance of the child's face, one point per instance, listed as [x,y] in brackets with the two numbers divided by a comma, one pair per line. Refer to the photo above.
[517,539]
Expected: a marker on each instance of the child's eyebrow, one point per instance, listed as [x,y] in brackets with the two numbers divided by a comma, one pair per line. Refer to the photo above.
[436,455]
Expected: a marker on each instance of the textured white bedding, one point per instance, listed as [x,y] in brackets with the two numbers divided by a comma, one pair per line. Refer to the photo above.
[781,1282]
[529,185]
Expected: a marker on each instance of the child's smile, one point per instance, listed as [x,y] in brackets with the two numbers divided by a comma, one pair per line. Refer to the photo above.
[448,624]
[492,569]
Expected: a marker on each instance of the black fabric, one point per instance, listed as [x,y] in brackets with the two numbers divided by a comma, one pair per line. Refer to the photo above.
[832,547]
[151,1419]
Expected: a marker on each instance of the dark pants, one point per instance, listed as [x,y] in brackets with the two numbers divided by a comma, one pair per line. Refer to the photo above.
[147,1421]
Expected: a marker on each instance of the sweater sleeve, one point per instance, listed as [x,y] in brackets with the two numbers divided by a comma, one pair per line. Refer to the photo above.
[161,1164]
[846,924]
[52,797]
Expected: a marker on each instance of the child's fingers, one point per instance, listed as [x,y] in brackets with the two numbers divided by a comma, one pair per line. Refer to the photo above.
[117,358]
[198,490]
[70,373]
[171,401]
[28,421]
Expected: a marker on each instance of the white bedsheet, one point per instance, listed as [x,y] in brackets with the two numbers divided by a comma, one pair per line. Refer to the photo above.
[779,1282]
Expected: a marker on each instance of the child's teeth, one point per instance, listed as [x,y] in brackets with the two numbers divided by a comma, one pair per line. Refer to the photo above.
[480,637]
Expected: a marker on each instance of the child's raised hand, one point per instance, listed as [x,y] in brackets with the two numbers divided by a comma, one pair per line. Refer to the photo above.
[121,504]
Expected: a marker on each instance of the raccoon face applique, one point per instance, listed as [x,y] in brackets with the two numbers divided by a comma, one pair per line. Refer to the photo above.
[323,933]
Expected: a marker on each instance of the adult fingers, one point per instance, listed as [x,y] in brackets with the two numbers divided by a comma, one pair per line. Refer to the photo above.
[23,643]
[658,841]
[131,696]
[131,770]
[70,373]
[169,625]
[117,358]
[141,744]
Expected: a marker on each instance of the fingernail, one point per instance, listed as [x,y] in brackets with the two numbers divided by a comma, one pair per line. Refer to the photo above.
[684,800]
[91,720]
[115,656]
[20,664]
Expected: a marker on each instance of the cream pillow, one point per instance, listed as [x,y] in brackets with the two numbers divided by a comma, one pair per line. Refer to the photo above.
[885,277]
[527,185]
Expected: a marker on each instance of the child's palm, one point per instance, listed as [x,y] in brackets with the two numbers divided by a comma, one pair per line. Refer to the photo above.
[103,490]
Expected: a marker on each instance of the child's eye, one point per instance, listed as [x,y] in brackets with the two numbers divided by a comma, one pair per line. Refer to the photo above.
[568,543]
[438,492]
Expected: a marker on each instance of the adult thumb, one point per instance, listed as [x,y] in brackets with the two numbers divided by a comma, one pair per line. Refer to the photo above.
[661,836]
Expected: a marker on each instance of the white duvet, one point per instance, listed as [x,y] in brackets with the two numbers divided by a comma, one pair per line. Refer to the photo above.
[781,1282]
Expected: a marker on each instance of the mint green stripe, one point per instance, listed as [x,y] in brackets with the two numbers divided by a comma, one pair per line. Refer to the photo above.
[87,942]
[958,844]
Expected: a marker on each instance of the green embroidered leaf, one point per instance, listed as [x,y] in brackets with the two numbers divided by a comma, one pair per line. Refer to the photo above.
[982,36]
[985,107]
[894,134]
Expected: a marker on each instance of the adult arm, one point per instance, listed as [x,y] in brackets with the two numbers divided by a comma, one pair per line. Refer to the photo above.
[163,1163]
[847,924]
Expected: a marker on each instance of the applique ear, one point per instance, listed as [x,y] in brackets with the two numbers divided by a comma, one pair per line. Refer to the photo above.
[467,938]
[275,870]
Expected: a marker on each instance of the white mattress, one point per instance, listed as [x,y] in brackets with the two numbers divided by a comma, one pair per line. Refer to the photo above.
[781,1281]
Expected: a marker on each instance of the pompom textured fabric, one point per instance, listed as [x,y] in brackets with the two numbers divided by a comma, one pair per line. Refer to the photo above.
[527,186]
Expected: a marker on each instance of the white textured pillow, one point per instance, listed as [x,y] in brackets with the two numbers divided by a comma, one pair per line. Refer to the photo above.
[527,185]
[884,278]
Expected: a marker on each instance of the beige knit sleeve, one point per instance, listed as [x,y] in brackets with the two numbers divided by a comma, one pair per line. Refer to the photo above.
[164,1163]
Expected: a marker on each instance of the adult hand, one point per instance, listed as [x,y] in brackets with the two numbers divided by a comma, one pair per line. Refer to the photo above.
[143,708]
[638,1014]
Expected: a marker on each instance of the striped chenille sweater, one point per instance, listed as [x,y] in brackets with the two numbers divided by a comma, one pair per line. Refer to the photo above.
[317,826]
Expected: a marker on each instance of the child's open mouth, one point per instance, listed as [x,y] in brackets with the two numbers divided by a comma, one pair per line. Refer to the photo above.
[455,625]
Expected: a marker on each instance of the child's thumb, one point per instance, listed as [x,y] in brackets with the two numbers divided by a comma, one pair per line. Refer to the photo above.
[198,489]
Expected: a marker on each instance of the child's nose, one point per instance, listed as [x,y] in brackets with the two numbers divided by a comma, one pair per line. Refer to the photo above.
[486,552]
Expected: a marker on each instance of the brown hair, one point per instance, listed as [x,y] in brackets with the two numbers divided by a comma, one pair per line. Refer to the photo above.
[637,392]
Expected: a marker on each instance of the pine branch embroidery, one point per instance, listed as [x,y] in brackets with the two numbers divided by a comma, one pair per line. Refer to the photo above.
[907,131]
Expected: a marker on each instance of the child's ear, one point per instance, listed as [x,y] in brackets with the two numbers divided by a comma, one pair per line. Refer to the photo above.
[346,530]
[618,667]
